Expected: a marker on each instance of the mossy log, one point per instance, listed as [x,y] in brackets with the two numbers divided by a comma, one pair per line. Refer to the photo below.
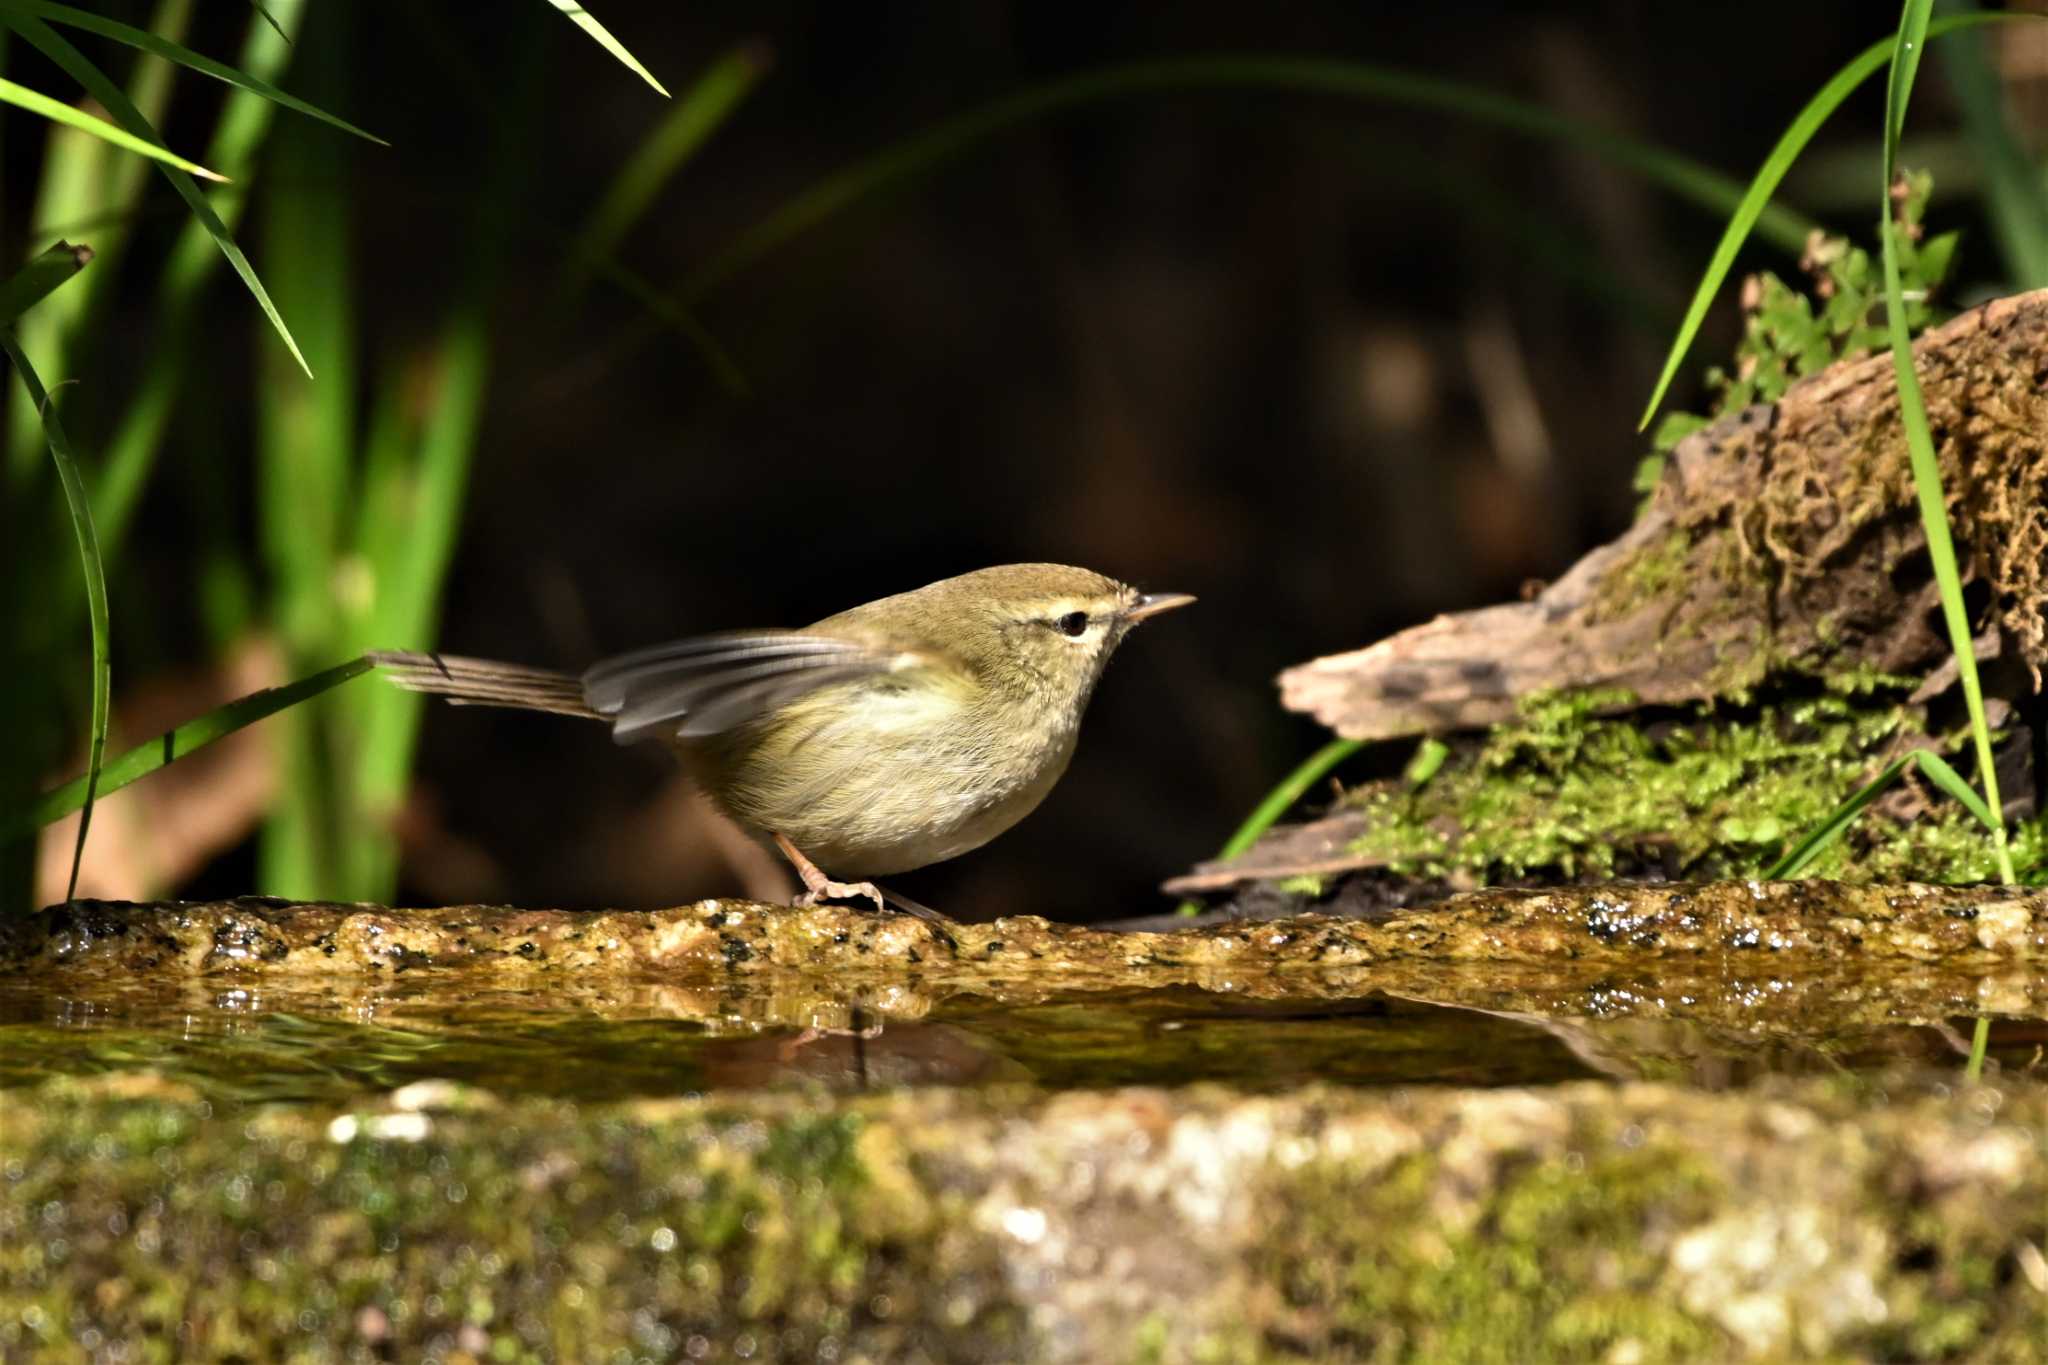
[1785,538]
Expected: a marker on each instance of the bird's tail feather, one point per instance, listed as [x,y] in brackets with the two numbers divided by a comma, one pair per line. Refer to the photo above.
[485,682]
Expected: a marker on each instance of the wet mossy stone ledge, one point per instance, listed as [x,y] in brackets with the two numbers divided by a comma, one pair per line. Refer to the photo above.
[1808,922]
[1573,1223]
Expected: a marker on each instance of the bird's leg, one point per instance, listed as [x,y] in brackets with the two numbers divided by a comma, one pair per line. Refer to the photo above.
[819,887]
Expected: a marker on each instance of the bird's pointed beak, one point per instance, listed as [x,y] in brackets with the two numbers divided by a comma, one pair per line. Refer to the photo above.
[1153,603]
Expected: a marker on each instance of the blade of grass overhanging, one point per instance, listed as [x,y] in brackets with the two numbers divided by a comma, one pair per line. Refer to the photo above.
[95,587]
[34,281]
[584,20]
[71,185]
[172,745]
[1802,854]
[1687,179]
[245,120]
[1910,41]
[83,177]
[149,90]
[155,46]
[57,111]
[2015,196]
[263,11]
[1279,801]
[42,331]
[696,116]
[52,45]
[1793,141]
[1937,770]
[709,349]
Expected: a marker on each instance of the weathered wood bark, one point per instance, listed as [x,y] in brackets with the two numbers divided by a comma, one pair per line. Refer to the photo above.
[1782,538]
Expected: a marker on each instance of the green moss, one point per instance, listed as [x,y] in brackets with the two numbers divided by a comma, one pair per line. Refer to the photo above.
[1556,1261]
[1788,334]
[556,1238]
[1565,791]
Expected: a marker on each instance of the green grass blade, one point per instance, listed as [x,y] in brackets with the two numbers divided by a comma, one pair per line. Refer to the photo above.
[1300,75]
[410,552]
[95,588]
[2015,195]
[682,318]
[1280,800]
[1801,855]
[1908,44]
[52,45]
[1789,145]
[1939,772]
[131,452]
[584,20]
[172,745]
[703,108]
[1906,47]
[145,41]
[33,282]
[1980,1043]
[58,112]
[263,12]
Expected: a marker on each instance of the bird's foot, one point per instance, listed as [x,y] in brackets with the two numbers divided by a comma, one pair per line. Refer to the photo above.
[825,889]
[818,887]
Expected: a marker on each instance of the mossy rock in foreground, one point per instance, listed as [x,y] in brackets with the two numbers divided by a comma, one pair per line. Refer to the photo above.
[1638,1223]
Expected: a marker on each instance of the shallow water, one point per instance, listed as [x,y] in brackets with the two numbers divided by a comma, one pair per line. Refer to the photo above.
[308,1044]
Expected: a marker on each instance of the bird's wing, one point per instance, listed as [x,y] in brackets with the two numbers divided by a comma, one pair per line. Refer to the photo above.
[712,683]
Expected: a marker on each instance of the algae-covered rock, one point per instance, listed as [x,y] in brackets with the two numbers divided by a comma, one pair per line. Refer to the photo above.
[1576,1223]
[1810,921]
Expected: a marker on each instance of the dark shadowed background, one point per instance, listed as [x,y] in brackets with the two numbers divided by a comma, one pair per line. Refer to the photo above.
[1331,364]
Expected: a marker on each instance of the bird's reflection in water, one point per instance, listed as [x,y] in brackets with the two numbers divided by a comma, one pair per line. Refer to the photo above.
[870,1053]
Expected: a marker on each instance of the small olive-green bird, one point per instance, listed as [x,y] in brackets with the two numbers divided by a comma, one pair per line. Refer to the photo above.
[892,736]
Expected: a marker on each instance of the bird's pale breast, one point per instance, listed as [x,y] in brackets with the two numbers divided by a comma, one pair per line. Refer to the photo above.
[875,777]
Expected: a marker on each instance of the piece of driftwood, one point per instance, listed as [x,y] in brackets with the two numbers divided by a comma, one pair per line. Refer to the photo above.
[1783,538]
[1320,848]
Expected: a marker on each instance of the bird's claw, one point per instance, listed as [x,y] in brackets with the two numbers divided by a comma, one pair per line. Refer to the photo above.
[827,890]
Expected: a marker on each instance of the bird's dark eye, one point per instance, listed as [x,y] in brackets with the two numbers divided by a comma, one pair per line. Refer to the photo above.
[1073,623]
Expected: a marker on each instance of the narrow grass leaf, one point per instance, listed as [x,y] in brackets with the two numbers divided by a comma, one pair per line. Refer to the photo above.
[95,588]
[1429,758]
[1933,765]
[1911,39]
[946,140]
[1280,800]
[703,108]
[1937,770]
[2015,194]
[145,41]
[33,282]
[131,452]
[1790,144]
[263,12]
[59,112]
[584,20]
[52,45]
[1801,855]
[1980,1043]
[172,745]
[684,319]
